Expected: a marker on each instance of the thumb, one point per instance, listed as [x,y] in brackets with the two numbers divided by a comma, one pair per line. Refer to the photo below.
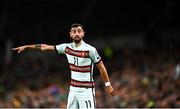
[19,51]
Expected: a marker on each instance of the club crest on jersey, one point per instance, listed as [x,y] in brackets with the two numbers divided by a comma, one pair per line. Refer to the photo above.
[85,54]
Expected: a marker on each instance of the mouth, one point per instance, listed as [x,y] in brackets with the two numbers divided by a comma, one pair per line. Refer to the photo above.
[77,37]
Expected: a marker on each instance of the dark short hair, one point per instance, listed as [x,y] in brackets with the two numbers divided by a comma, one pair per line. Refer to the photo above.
[76,25]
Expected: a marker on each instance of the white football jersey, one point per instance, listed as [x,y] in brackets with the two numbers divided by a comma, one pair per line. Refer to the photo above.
[81,60]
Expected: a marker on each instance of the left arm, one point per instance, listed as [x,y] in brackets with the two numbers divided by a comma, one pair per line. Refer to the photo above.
[105,77]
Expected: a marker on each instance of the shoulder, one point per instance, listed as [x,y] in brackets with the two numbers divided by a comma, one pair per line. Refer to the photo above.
[61,47]
[64,44]
[90,47]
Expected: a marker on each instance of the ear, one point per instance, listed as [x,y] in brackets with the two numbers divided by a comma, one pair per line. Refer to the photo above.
[70,34]
[83,33]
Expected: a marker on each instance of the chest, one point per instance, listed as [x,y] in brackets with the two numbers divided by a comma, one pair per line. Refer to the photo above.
[77,57]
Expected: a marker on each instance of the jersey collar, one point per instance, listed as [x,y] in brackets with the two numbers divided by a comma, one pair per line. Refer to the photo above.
[73,44]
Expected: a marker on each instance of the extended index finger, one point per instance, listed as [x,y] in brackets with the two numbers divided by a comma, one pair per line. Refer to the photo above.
[14,48]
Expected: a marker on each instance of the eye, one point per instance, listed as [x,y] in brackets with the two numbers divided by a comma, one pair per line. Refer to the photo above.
[79,30]
[73,31]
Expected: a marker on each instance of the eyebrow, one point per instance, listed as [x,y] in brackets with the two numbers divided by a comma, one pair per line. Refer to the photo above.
[76,29]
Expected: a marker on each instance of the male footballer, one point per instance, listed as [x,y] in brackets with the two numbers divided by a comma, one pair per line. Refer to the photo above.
[81,58]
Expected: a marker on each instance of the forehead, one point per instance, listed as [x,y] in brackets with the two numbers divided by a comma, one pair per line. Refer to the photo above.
[76,28]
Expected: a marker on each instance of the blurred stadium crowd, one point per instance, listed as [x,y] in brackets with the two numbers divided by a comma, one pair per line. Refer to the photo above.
[141,77]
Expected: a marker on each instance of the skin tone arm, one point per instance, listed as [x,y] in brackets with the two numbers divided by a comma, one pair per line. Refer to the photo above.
[42,47]
[105,77]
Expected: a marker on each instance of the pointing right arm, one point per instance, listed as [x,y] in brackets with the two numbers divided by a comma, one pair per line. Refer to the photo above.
[41,47]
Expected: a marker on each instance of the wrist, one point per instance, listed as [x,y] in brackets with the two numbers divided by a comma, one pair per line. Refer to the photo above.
[26,46]
[107,84]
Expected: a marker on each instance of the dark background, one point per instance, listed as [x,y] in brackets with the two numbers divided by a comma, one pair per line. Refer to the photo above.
[49,20]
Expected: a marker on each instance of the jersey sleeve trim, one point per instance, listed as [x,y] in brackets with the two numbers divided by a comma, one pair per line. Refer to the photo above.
[56,49]
[98,61]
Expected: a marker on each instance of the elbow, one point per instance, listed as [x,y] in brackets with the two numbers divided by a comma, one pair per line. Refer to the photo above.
[43,47]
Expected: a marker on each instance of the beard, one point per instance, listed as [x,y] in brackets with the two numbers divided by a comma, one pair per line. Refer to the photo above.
[77,39]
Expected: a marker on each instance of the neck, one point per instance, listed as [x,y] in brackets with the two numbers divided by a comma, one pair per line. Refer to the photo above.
[78,44]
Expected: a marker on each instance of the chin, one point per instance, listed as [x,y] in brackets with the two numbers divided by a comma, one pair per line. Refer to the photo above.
[77,41]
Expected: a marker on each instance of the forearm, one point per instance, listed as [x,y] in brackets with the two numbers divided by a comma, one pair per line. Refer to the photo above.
[34,46]
[30,46]
[105,77]
[42,47]
[103,72]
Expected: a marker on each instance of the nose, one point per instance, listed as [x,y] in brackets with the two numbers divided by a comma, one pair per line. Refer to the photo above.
[76,34]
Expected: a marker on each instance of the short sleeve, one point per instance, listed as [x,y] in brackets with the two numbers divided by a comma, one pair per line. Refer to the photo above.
[94,56]
[60,49]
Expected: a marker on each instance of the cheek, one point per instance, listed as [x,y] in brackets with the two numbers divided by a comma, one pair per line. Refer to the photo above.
[71,35]
[82,35]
